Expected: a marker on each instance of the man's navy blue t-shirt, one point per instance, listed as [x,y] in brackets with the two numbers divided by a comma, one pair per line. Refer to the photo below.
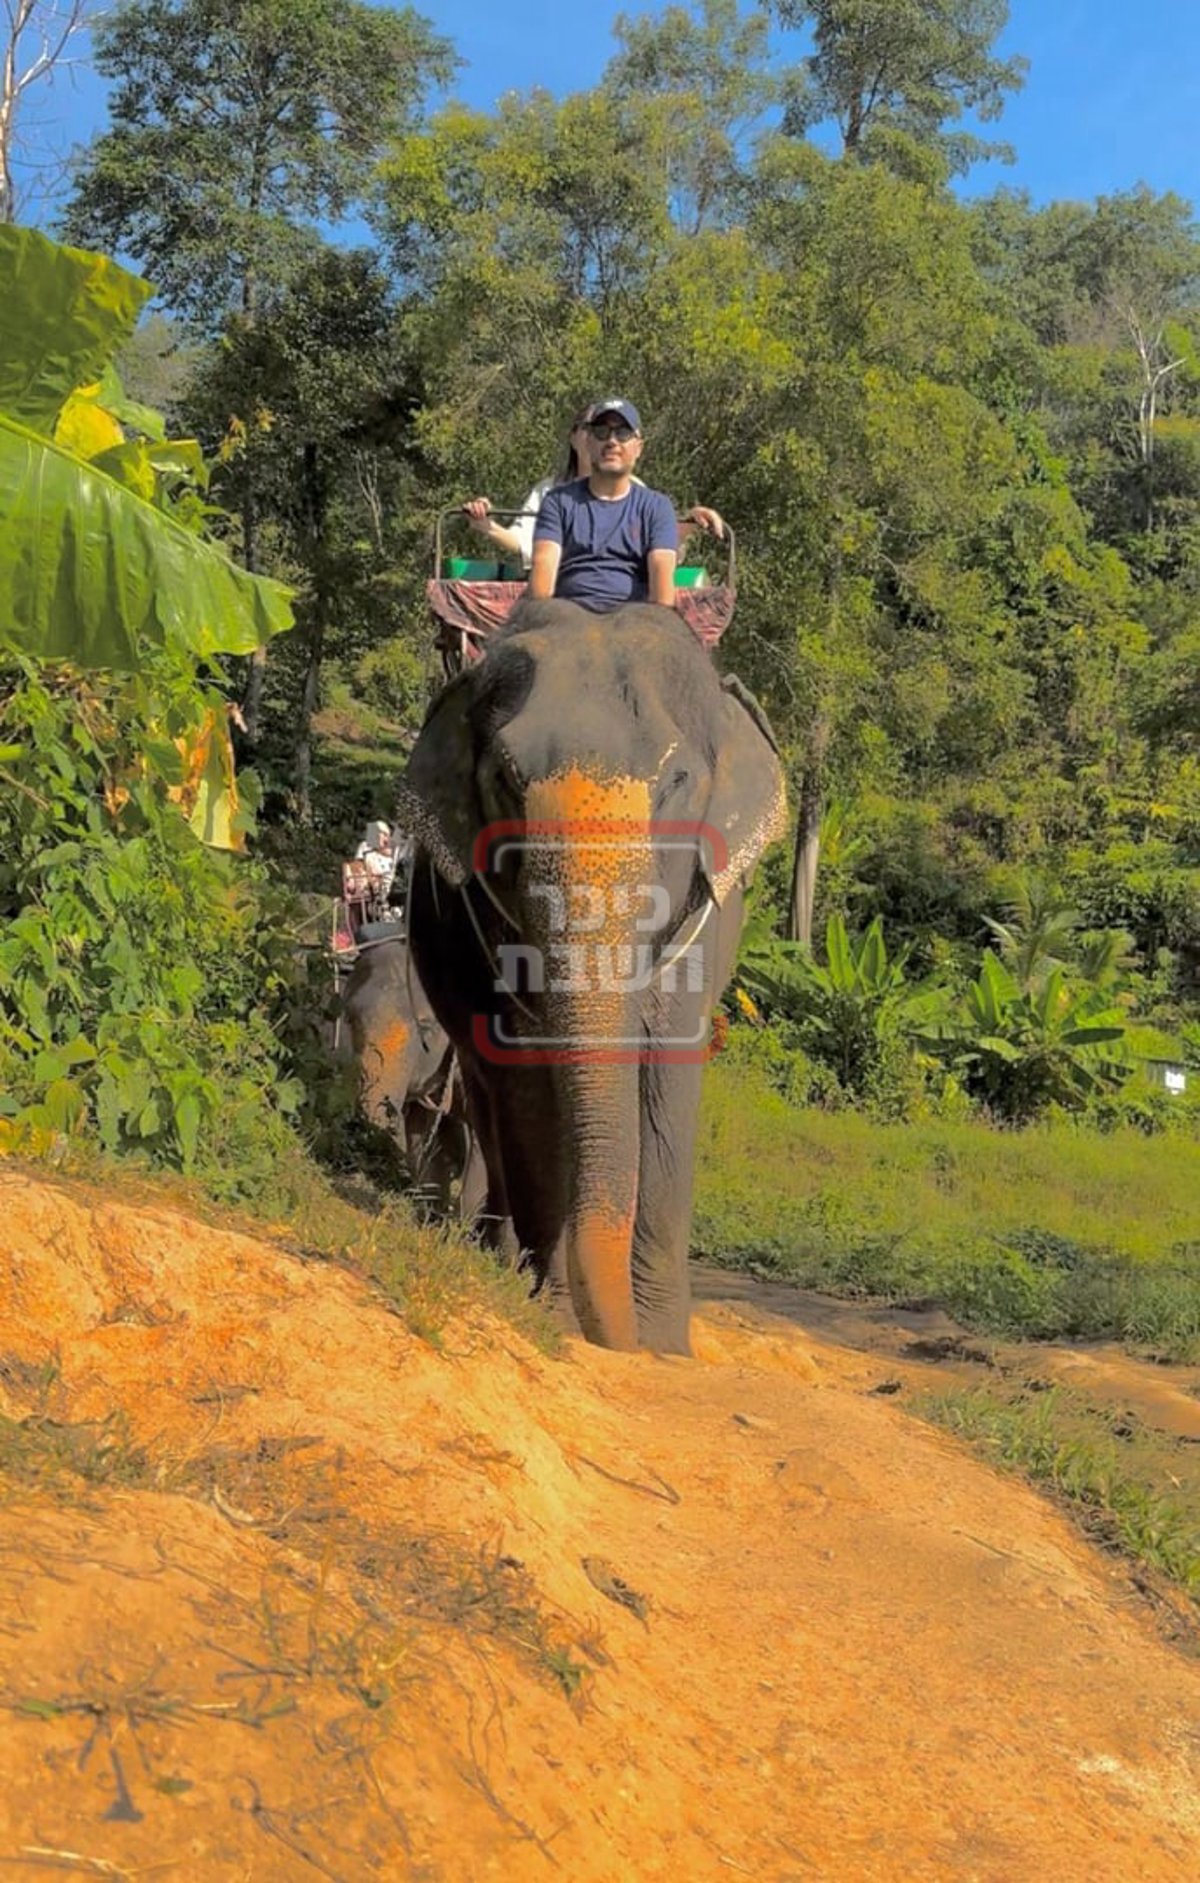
[605,543]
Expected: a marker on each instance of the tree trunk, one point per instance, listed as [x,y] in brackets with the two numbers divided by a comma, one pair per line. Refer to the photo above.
[256,679]
[806,855]
[19,71]
[8,105]
[310,695]
[251,709]
[315,498]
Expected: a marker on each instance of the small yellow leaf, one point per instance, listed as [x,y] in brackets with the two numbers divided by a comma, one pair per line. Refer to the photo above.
[746,1006]
[85,427]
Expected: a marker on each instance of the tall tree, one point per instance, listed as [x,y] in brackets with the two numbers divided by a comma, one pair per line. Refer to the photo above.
[712,76]
[325,362]
[911,66]
[1111,293]
[238,127]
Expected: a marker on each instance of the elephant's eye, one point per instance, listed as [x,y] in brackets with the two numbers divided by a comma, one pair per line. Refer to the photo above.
[502,796]
[673,782]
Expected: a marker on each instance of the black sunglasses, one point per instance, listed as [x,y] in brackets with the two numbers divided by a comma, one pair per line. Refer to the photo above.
[621,432]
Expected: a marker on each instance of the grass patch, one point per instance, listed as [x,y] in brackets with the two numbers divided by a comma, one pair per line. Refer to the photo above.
[369,1588]
[1052,1232]
[1135,1490]
[57,1459]
[431,1276]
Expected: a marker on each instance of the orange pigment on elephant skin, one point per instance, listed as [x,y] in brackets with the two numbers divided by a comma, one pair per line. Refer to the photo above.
[607,1235]
[599,838]
[381,1061]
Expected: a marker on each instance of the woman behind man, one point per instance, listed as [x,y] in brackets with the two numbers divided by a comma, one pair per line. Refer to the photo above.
[515,540]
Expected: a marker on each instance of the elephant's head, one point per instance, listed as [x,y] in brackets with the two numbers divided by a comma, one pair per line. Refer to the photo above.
[589,800]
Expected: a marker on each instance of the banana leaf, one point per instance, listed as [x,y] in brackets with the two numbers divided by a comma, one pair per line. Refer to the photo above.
[89,571]
[63,314]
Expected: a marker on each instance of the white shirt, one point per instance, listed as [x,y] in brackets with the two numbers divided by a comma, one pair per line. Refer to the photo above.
[522,526]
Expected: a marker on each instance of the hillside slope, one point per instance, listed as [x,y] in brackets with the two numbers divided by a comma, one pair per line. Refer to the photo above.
[285,1592]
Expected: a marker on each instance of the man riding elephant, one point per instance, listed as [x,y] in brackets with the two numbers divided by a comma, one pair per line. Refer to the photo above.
[606,539]
[589,801]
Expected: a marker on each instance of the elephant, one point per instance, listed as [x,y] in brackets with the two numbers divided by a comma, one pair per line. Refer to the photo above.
[589,801]
[409,1081]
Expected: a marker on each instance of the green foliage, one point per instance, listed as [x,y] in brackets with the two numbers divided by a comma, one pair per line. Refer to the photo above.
[393,678]
[1022,1048]
[62,315]
[908,66]
[856,1016]
[958,442]
[710,76]
[137,967]
[236,128]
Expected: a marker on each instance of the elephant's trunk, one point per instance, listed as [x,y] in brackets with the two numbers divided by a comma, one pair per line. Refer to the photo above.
[598,1238]
[594,870]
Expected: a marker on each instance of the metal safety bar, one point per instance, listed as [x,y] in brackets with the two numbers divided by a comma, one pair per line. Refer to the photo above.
[459,510]
[728,542]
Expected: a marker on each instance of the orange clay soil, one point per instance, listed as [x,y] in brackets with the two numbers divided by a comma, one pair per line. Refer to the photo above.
[286,1593]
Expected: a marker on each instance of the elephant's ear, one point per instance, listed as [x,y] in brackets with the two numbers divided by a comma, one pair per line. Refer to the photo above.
[747,803]
[437,798]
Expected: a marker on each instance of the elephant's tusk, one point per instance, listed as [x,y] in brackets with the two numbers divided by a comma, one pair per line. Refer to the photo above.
[496,903]
[490,958]
[665,966]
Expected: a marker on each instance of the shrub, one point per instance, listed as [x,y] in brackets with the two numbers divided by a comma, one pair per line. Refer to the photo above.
[855,1016]
[394,679]
[137,963]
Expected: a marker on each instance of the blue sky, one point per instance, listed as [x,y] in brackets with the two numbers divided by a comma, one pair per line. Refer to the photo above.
[1111,99]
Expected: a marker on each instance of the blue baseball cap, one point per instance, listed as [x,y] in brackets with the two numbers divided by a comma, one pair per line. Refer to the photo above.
[621,407]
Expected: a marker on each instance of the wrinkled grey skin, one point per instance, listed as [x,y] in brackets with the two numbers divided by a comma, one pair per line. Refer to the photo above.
[591,1155]
[409,1084]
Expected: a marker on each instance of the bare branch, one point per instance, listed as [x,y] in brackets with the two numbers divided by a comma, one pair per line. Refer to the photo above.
[51,25]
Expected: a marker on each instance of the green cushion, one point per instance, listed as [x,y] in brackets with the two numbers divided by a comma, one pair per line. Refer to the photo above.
[470,569]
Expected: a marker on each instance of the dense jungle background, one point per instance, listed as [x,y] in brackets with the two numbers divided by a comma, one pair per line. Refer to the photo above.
[958,438]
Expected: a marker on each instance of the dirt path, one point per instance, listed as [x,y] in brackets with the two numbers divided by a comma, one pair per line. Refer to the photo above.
[334,1604]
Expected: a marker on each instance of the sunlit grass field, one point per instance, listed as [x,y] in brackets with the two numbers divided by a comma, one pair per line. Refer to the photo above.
[1052,1231]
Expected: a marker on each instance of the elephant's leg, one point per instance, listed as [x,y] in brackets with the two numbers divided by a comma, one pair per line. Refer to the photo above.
[490,1214]
[669,1114]
[472,1196]
[661,1286]
[537,1182]
[436,1154]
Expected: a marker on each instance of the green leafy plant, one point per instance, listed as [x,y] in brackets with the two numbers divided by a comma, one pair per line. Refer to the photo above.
[137,968]
[94,566]
[1020,1049]
[855,1014]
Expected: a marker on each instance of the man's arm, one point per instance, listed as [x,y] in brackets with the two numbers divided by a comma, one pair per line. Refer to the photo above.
[543,572]
[661,576]
[662,551]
